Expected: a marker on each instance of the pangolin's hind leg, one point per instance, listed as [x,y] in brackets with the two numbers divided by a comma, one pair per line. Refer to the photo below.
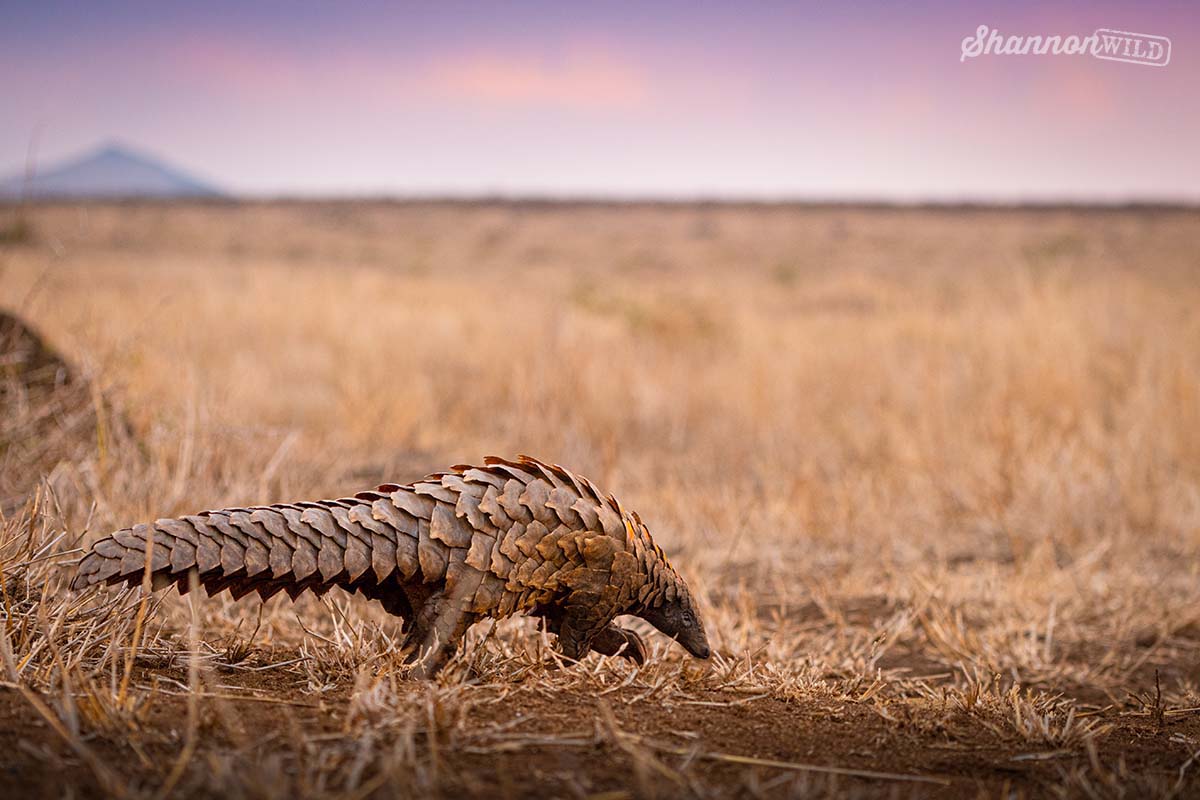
[421,608]
[394,599]
[437,630]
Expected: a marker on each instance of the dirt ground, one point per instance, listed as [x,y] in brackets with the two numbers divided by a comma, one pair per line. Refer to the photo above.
[932,474]
[519,739]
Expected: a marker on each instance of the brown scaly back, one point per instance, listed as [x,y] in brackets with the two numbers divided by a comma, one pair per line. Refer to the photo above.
[495,540]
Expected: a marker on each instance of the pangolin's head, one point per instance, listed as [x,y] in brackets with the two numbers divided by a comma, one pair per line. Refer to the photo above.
[669,606]
[666,603]
[679,619]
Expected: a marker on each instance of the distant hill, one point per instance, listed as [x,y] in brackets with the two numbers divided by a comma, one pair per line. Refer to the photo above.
[112,171]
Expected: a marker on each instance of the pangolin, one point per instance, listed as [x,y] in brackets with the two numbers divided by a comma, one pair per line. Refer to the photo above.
[443,552]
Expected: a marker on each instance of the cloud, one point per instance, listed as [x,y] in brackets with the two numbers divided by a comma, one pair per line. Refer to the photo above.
[582,81]
[573,77]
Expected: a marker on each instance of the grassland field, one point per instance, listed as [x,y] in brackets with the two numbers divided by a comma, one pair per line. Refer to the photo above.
[933,474]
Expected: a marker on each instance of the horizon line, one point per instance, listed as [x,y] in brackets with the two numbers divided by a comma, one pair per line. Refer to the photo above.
[600,199]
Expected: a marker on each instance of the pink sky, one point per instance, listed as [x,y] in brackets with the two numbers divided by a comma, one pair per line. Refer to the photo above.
[661,99]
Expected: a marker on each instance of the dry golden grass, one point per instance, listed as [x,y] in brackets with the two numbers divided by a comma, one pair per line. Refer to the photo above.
[934,475]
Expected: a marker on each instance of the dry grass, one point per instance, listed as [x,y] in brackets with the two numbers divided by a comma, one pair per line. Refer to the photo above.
[935,476]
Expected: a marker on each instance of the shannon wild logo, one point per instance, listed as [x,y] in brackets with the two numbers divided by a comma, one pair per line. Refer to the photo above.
[1133,48]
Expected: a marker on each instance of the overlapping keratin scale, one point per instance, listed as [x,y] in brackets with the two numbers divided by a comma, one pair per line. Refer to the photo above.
[498,539]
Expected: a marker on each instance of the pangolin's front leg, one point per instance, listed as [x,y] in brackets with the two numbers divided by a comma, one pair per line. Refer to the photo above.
[614,640]
[611,640]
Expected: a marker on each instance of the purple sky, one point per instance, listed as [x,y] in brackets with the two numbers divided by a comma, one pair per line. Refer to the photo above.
[639,98]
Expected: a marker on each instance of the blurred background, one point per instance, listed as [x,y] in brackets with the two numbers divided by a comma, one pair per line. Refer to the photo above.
[624,99]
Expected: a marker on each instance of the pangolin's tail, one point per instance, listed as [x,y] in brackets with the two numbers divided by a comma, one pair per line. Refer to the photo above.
[358,542]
